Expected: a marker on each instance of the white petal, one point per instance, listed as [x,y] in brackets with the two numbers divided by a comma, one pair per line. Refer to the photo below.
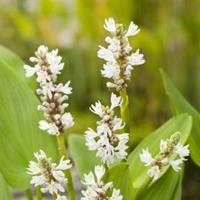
[154,172]
[176,164]
[115,101]
[67,120]
[146,157]
[132,30]
[106,54]
[64,164]
[182,151]
[43,125]
[110,25]
[29,71]
[97,109]
[99,172]
[66,89]
[136,58]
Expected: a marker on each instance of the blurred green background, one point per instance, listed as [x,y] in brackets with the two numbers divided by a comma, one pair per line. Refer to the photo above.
[169,38]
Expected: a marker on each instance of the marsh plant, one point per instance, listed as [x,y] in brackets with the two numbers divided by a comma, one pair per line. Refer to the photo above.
[110,163]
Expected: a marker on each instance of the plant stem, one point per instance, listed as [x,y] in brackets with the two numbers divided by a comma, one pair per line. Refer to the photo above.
[125,115]
[38,193]
[62,150]
[54,196]
[29,194]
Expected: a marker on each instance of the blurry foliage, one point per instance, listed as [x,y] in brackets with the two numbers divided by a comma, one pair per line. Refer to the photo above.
[169,38]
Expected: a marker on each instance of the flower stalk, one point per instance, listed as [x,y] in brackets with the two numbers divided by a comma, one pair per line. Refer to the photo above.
[68,174]
[125,116]
[38,193]
[29,194]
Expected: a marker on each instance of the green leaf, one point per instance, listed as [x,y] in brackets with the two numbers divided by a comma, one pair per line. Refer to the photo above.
[4,189]
[179,104]
[166,188]
[20,136]
[120,176]
[84,159]
[12,62]
[139,177]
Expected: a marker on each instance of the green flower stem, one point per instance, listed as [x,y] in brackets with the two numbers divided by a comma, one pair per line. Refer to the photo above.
[125,115]
[54,197]
[38,193]
[62,150]
[29,194]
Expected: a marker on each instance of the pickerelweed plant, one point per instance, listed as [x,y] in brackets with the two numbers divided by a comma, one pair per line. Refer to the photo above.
[112,141]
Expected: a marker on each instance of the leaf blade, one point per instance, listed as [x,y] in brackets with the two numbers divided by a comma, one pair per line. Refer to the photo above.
[179,104]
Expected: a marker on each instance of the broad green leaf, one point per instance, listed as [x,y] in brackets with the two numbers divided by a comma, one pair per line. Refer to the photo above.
[140,179]
[4,189]
[19,132]
[84,159]
[179,104]
[166,188]
[13,63]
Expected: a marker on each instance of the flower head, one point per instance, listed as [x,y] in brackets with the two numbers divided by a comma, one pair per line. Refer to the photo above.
[109,145]
[97,189]
[118,55]
[48,175]
[168,149]
[53,96]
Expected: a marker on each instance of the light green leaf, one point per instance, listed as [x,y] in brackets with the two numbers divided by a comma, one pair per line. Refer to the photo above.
[19,132]
[12,62]
[179,104]
[140,179]
[4,189]
[84,159]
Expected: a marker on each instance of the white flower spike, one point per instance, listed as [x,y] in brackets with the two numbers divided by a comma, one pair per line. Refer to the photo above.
[109,145]
[97,189]
[168,148]
[118,55]
[48,175]
[53,96]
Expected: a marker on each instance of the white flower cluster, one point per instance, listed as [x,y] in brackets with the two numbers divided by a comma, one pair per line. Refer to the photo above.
[109,145]
[168,148]
[97,189]
[53,96]
[118,55]
[48,175]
